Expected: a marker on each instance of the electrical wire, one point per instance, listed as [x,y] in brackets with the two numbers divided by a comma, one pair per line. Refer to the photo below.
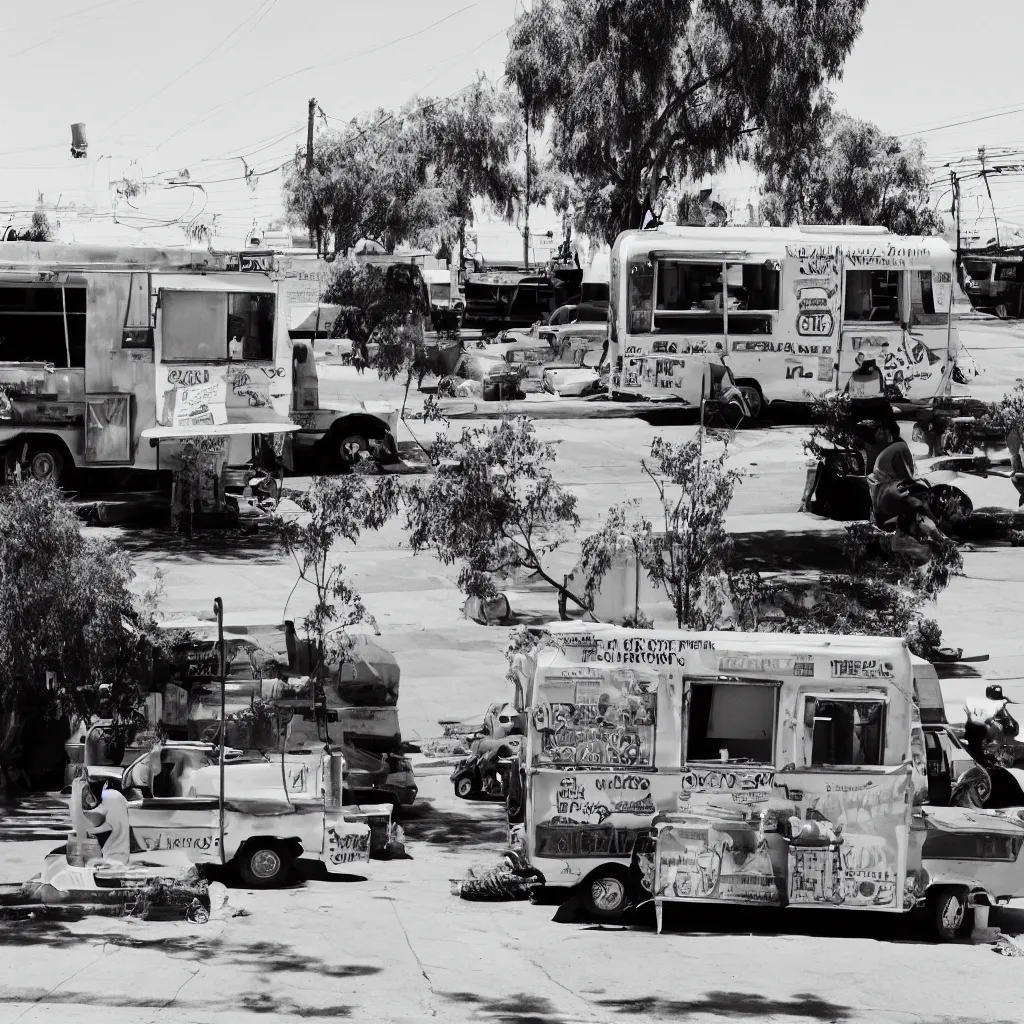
[958,124]
[312,67]
[267,4]
[64,31]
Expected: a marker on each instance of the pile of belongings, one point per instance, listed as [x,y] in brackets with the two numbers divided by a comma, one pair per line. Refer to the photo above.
[510,879]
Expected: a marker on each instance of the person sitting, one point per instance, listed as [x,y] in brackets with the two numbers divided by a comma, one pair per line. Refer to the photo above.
[896,493]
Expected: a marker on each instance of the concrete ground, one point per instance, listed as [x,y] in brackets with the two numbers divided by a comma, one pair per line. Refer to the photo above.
[395,945]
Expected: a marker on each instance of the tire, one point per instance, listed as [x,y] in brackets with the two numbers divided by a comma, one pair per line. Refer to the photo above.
[464,788]
[607,893]
[45,463]
[754,398]
[1001,311]
[350,448]
[951,917]
[264,863]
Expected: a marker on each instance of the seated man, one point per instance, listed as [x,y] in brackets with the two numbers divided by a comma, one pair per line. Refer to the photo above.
[895,491]
[108,816]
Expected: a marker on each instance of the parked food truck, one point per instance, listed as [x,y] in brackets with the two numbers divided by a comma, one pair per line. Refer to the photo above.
[110,357]
[769,769]
[794,312]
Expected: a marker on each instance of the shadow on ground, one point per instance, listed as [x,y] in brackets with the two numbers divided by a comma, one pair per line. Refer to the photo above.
[694,919]
[733,1005]
[482,825]
[262,548]
[514,1009]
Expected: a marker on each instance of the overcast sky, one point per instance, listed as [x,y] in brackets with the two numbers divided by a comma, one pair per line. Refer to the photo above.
[196,83]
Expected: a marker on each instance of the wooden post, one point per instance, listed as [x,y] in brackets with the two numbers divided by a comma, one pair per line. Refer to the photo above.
[218,610]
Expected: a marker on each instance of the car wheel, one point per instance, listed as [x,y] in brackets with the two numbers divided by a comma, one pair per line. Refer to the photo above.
[45,464]
[606,894]
[951,916]
[265,864]
[464,787]
[1001,311]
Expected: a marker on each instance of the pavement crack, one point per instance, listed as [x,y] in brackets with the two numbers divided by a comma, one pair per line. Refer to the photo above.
[419,963]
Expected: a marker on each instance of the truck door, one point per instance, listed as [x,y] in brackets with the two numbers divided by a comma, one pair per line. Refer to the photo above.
[305,384]
[873,318]
[928,337]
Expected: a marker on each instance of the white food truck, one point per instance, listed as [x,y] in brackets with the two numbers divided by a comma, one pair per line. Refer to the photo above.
[793,312]
[111,357]
[769,769]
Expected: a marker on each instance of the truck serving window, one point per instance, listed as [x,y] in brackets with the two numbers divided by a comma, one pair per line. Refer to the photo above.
[846,732]
[873,295]
[922,300]
[738,718]
[204,326]
[42,324]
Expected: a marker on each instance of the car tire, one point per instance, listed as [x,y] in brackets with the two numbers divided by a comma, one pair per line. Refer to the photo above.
[265,863]
[607,893]
[1001,311]
[464,787]
[951,917]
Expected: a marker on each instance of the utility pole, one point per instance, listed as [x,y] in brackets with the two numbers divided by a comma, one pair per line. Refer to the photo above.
[526,202]
[955,184]
[984,177]
[309,137]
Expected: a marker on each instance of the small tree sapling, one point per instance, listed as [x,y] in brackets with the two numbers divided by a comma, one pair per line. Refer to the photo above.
[336,509]
[492,506]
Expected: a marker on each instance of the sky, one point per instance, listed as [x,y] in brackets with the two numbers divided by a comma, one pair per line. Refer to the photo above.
[202,84]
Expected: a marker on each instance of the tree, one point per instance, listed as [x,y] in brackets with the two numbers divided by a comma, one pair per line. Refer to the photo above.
[694,551]
[369,180]
[493,506]
[336,509]
[470,142]
[642,95]
[387,303]
[40,229]
[74,642]
[856,175]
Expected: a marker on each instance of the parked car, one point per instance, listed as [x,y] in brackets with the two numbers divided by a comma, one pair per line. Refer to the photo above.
[484,375]
[579,375]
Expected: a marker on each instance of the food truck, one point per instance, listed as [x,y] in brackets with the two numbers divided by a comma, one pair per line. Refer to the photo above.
[794,312]
[111,357]
[768,769]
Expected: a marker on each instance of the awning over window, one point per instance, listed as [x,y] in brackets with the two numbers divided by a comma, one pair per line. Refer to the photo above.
[213,283]
[220,430]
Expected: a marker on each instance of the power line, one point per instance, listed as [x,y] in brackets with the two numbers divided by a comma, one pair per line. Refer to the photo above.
[63,31]
[312,67]
[202,60]
[957,124]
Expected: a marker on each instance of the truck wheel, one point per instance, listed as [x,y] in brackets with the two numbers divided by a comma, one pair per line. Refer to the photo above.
[350,448]
[607,893]
[265,863]
[951,916]
[45,463]
[1001,311]
[464,787]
